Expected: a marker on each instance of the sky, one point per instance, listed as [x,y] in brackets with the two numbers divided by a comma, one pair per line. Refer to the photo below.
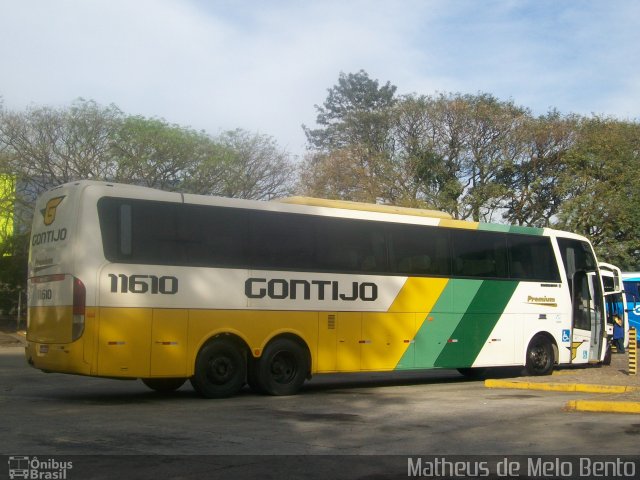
[262,65]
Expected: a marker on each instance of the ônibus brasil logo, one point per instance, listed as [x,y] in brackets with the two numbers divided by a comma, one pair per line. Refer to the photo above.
[34,468]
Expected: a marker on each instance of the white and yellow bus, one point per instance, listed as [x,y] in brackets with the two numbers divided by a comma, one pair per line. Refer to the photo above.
[132,282]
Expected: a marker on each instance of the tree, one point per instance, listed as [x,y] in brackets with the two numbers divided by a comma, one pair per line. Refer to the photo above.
[429,138]
[531,175]
[351,114]
[352,141]
[240,164]
[452,147]
[154,153]
[44,147]
[344,174]
[601,189]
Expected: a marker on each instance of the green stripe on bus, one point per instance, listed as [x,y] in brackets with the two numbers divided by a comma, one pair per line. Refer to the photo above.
[438,326]
[494,227]
[526,230]
[472,332]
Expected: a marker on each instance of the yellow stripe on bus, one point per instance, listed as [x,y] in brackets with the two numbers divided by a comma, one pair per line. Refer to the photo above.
[459,224]
[418,294]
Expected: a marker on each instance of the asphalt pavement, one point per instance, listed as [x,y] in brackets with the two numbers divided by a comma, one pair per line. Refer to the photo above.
[619,388]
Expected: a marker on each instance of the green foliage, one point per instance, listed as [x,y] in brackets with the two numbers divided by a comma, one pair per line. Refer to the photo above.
[601,188]
[43,147]
[479,158]
[243,165]
[353,113]
[153,153]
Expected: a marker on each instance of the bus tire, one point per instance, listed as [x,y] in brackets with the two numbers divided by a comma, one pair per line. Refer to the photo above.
[282,368]
[540,358]
[164,385]
[220,369]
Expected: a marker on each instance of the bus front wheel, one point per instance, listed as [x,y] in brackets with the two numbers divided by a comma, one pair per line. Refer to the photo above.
[282,368]
[220,370]
[540,359]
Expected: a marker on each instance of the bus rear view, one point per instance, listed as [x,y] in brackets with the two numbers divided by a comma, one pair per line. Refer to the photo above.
[57,298]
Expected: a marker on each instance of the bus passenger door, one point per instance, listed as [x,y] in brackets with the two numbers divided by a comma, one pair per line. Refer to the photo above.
[586,318]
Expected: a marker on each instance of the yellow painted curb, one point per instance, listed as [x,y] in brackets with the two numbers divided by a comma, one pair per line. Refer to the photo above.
[560,387]
[600,406]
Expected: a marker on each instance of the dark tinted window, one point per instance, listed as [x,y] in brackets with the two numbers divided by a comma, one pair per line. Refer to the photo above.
[608,283]
[417,250]
[479,254]
[140,231]
[162,233]
[532,258]
[351,246]
[282,241]
[214,236]
[576,256]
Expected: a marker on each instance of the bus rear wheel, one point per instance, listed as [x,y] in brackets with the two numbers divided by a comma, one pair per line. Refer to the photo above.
[282,368]
[540,359]
[164,385]
[220,370]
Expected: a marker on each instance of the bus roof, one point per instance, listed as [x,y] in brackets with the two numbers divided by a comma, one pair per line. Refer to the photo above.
[319,206]
[367,207]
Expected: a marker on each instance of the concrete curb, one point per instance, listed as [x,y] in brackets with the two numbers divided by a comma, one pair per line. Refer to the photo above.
[603,406]
[608,406]
[560,387]
[13,340]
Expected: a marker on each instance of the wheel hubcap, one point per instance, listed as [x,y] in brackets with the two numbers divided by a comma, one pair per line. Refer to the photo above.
[220,370]
[539,357]
[283,367]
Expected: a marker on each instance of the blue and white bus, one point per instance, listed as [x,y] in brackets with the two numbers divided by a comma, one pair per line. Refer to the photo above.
[614,299]
[631,281]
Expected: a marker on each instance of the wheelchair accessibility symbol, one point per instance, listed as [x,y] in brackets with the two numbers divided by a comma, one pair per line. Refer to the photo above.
[566,336]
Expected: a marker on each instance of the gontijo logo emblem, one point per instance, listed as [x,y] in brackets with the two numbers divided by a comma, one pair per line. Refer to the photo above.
[49,212]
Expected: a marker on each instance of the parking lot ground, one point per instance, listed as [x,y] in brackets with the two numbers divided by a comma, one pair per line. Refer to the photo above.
[365,425]
[619,388]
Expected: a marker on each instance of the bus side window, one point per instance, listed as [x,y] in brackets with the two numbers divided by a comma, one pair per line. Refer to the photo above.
[531,258]
[124,230]
[479,254]
[419,250]
[631,291]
